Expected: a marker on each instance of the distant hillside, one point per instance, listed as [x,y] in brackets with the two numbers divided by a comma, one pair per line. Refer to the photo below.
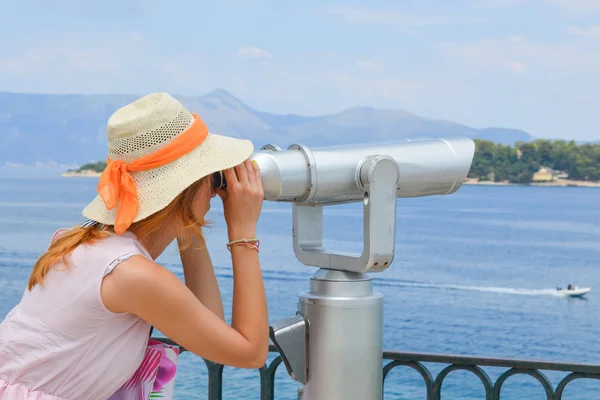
[504,136]
[71,128]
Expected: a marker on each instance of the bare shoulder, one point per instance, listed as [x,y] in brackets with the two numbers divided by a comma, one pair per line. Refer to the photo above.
[133,281]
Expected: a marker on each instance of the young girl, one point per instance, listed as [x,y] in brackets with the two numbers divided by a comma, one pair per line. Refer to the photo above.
[81,329]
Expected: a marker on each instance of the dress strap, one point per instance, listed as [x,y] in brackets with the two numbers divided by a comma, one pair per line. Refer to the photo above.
[56,235]
[118,261]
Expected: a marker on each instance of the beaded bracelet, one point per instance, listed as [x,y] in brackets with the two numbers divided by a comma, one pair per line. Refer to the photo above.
[250,243]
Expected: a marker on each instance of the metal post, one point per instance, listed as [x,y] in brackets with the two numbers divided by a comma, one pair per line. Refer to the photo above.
[346,335]
[333,346]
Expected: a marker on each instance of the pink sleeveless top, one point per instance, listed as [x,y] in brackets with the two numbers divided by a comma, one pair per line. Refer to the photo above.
[61,343]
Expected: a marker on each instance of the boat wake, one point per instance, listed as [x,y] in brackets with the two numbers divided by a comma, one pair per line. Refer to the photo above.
[283,276]
[487,289]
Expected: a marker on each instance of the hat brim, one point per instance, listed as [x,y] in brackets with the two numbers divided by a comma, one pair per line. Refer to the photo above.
[159,186]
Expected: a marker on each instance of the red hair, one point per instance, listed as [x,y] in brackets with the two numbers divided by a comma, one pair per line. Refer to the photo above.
[182,207]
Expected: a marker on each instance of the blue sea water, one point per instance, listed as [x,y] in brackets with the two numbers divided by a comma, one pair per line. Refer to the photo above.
[474,274]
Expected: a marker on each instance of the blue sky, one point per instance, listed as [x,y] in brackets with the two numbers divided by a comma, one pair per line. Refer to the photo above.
[527,64]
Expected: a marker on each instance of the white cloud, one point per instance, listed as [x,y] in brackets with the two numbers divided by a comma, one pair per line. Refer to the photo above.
[495,4]
[577,5]
[371,65]
[253,52]
[389,88]
[75,53]
[593,31]
[516,66]
[107,9]
[516,38]
[367,16]
[107,62]
[523,56]
[569,5]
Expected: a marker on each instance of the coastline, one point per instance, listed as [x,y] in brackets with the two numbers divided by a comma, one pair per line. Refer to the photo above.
[558,183]
[86,173]
[468,181]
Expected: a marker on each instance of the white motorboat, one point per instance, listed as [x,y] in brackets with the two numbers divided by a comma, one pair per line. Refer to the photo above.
[574,291]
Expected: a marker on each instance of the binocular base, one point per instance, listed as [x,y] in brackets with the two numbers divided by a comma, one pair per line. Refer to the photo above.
[334,346]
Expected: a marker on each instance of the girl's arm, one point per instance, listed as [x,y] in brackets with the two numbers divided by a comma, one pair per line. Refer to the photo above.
[199,274]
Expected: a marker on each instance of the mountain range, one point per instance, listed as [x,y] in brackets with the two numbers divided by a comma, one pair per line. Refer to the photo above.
[70,129]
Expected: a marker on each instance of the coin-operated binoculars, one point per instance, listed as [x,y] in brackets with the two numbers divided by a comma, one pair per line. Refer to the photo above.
[333,345]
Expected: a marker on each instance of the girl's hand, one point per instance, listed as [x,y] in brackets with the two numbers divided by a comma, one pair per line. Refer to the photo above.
[242,200]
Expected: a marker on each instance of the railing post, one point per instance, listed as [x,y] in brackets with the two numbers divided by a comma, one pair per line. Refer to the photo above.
[267,380]
[215,380]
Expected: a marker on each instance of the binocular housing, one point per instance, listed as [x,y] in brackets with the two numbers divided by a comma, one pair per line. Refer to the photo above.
[333,174]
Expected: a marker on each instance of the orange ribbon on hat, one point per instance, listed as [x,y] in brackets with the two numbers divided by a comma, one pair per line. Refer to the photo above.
[117,186]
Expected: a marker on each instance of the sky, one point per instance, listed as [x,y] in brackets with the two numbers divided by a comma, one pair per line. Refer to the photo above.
[524,64]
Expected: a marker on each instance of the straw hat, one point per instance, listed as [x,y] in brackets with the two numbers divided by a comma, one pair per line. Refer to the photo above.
[147,125]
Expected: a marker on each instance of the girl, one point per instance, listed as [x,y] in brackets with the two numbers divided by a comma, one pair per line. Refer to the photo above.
[81,329]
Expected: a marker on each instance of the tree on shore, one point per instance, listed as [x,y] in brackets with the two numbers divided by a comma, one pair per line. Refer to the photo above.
[96,167]
[518,164]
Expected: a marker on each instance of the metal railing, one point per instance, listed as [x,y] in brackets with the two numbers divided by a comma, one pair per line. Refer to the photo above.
[433,385]
[474,364]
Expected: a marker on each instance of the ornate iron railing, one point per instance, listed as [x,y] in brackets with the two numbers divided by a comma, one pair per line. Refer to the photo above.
[474,364]
[433,385]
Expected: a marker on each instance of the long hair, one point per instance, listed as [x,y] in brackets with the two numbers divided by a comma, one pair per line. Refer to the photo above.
[182,208]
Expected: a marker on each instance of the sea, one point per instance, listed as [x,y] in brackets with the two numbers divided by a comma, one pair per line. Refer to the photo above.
[475,273]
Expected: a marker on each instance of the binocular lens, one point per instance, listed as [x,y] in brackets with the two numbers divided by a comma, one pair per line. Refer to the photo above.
[218,180]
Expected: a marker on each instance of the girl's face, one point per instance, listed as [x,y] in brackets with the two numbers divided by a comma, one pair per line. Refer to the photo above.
[202,199]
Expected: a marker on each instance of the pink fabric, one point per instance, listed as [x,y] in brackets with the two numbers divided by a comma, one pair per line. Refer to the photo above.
[61,343]
[155,376]
[18,392]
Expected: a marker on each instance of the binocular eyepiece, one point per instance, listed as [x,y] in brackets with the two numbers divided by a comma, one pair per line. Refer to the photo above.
[218,180]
